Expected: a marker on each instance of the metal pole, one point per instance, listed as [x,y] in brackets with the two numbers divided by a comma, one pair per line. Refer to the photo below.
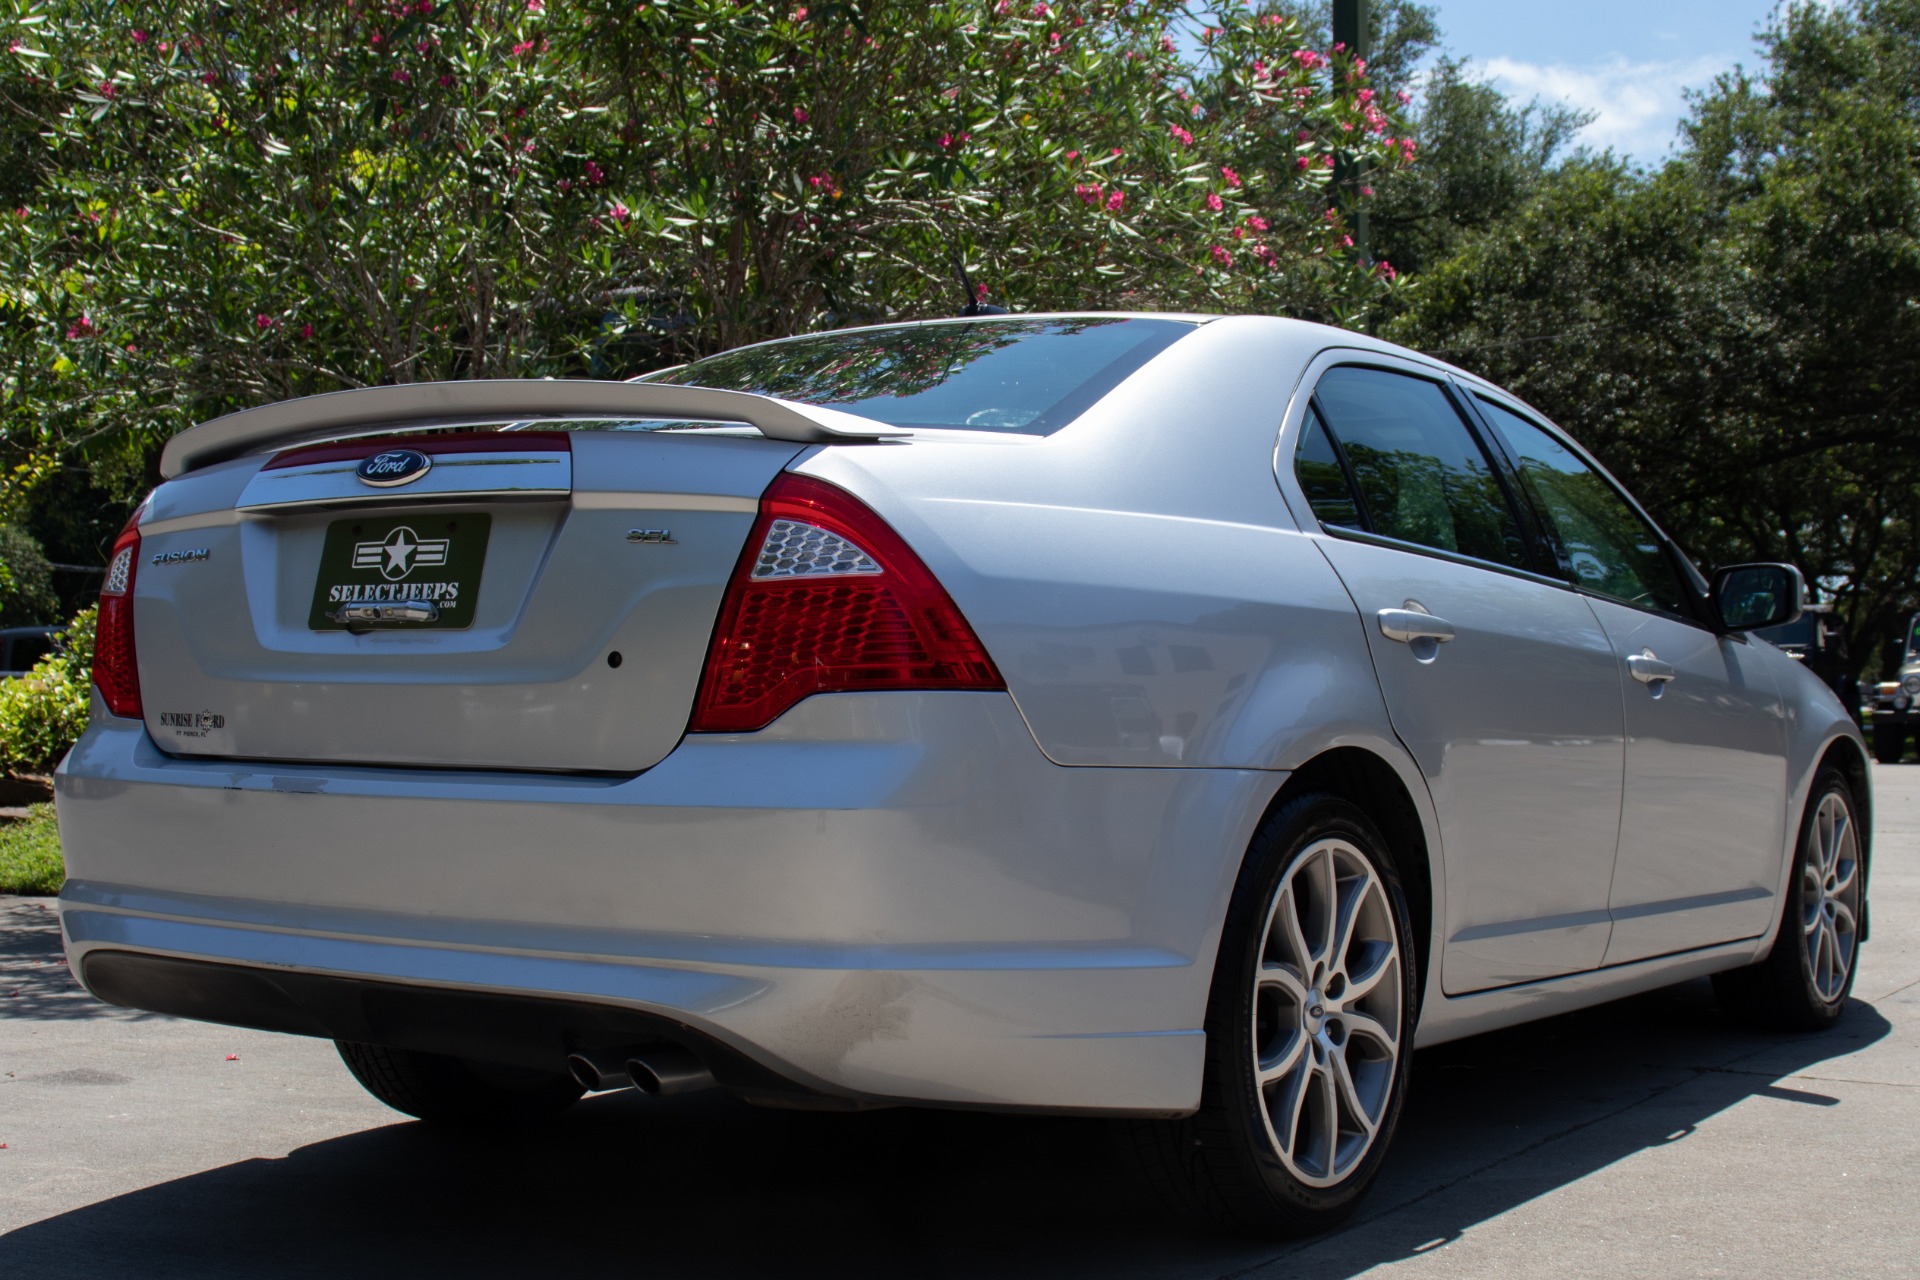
[1350,29]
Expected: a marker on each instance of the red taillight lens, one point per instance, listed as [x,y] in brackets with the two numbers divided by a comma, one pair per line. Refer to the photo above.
[828,598]
[115,672]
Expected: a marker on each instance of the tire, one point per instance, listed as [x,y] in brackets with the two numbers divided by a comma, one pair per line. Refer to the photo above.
[1889,742]
[1295,1155]
[1804,981]
[453,1091]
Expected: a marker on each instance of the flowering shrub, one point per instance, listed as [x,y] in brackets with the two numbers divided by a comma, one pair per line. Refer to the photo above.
[44,712]
[238,203]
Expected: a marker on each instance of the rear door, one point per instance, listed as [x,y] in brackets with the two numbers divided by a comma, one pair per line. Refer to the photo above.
[551,598]
[1500,682]
[1702,827]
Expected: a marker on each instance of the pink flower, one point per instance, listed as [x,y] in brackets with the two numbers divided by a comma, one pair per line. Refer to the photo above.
[535,6]
[596,176]
[402,75]
[1302,163]
[1365,96]
[1232,178]
[565,184]
[1004,8]
[1185,138]
[1040,11]
[800,115]
[1366,191]
[1089,193]
[619,212]
[980,292]
[1261,253]
[139,36]
[523,48]
[306,331]
[1346,242]
[81,328]
[798,15]
[1117,201]
[107,89]
[1222,255]
[1257,222]
[1116,151]
[1407,149]
[264,322]
[1214,202]
[1309,60]
[1404,97]
[1073,155]
[1385,271]
[1166,44]
[446,82]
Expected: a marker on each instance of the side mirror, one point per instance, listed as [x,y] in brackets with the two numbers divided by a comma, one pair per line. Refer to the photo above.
[1746,597]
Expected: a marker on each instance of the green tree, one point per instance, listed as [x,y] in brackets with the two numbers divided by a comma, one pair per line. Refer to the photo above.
[231,204]
[1735,334]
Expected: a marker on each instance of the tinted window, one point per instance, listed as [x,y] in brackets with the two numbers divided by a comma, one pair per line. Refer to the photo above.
[1322,476]
[1602,542]
[1422,476]
[1026,376]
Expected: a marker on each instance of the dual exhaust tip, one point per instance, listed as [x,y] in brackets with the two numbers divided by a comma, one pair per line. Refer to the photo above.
[659,1071]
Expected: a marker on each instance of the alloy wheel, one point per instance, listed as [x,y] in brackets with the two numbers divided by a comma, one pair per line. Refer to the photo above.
[1830,897]
[1328,1012]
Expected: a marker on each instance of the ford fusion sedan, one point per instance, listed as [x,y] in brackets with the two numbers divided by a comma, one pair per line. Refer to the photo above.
[1175,718]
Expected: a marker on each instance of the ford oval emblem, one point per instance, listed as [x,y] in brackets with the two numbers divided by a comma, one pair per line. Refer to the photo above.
[392,468]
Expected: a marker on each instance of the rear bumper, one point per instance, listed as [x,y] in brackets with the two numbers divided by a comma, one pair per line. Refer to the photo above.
[881,896]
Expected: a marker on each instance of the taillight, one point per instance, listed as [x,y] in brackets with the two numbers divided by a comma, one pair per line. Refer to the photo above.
[828,598]
[115,672]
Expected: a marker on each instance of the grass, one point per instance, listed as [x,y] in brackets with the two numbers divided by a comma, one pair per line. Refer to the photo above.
[30,854]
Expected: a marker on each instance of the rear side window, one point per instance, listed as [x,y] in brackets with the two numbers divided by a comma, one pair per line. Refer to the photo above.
[1421,475]
[1323,477]
[1603,543]
[1026,376]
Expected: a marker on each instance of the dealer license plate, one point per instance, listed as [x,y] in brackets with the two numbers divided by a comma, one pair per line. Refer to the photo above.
[424,568]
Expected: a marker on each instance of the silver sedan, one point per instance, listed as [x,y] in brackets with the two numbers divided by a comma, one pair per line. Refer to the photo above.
[1169,717]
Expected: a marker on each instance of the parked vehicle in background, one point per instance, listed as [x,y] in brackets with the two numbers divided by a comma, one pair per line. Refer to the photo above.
[1170,717]
[1895,703]
[21,647]
[1818,641]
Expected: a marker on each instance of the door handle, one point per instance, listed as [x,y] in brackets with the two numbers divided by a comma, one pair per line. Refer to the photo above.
[1408,625]
[1648,669]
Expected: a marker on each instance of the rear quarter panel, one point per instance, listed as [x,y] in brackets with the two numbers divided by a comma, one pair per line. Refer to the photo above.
[1137,575]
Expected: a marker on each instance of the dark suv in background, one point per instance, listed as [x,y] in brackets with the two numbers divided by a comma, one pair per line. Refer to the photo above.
[1892,702]
[1818,640]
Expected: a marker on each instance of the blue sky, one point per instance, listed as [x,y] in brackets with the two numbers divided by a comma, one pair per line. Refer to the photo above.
[1628,60]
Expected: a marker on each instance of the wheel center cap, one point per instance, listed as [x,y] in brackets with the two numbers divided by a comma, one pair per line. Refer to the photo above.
[1316,1014]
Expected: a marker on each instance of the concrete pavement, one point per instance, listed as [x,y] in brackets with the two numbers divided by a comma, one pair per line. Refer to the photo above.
[1647,1138]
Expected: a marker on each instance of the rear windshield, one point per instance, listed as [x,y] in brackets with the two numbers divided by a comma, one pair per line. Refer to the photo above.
[1030,377]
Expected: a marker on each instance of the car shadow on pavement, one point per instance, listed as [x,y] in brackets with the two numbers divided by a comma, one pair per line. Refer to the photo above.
[707,1186]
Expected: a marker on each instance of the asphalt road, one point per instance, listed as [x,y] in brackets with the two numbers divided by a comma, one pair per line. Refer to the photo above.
[1652,1137]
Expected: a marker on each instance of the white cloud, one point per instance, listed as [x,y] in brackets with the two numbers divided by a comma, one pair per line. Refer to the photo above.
[1637,105]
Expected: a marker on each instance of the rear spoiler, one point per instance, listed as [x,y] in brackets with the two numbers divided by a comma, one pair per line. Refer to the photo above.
[379,410]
